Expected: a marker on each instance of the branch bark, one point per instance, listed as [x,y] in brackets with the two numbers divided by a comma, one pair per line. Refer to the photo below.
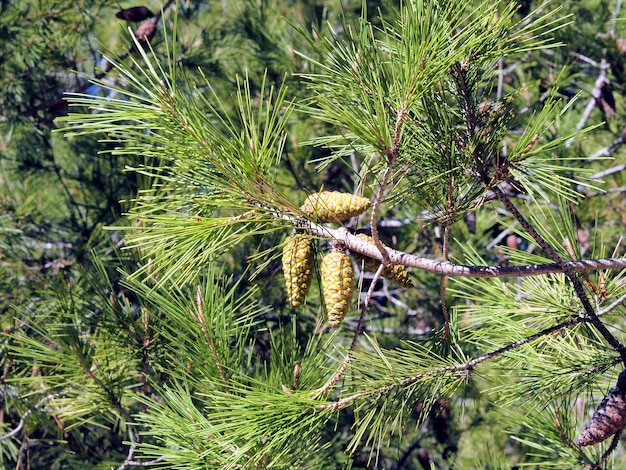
[447,268]
[590,312]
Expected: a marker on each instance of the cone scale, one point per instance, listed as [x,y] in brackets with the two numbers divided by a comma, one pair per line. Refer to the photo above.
[337,284]
[298,261]
[394,272]
[609,418]
[333,206]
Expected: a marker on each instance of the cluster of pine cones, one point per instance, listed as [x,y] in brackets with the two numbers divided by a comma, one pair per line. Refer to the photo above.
[337,275]
[336,270]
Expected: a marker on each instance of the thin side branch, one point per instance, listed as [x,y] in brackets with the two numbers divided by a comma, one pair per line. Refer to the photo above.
[392,154]
[17,429]
[576,283]
[609,150]
[446,256]
[135,463]
[20,425]
[613,306]
[366,304]
[596,94]
[607,172]
[336,377]
[466,367]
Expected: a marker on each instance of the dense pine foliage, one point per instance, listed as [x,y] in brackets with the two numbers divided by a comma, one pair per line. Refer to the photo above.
[456,169]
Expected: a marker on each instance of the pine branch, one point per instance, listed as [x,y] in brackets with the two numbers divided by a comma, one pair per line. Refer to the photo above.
[225,158]
[465,368]
[567,269]
[353,243]
[21,423]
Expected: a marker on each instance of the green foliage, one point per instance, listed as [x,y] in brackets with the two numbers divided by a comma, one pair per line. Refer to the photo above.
[216,163]
[180,349]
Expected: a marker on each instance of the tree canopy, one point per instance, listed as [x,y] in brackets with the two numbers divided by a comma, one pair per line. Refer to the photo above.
[257,234]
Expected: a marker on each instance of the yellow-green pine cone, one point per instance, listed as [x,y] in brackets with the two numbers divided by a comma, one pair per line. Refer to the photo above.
[298,261]
[333,206]
[370,263]
[337,284]
[394,273]
[398,274]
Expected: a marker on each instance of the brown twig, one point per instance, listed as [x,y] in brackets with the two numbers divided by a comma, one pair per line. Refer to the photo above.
[446,256]
[392,154]
[336,377]
[598,464]
[444,308]
[366,304]
[358,245]
[466,367]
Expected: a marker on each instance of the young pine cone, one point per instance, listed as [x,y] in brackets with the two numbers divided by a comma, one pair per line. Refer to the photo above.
[333,206]
[610,416]
[297,267]
[337,284]
[394,272]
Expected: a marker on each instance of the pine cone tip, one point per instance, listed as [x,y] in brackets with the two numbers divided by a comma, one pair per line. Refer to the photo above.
[609,418]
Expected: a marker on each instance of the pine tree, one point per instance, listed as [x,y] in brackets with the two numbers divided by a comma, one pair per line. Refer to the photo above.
[457,122]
